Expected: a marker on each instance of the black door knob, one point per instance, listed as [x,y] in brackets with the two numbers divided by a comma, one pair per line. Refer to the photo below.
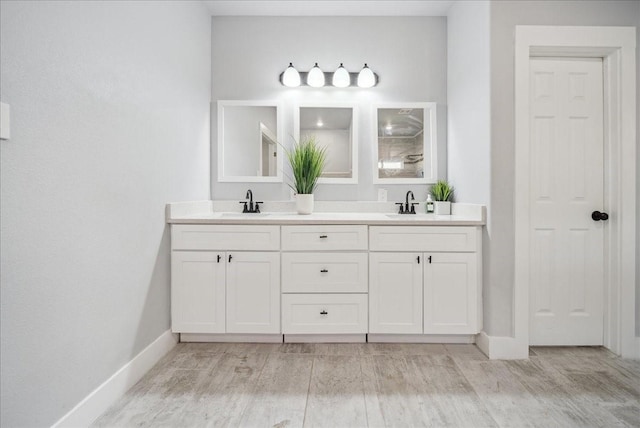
[597,216]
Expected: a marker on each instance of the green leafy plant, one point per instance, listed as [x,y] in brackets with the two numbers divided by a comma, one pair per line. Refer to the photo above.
[442,191]
[307,161]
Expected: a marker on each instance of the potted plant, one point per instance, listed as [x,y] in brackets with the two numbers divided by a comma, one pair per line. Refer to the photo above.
[307,161]
[442,193]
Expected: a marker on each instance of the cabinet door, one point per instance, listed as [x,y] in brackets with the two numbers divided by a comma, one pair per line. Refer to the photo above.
[450,293]
[395,293]
[197,292]
[253,292]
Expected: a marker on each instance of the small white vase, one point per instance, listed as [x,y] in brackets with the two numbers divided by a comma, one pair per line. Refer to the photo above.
[304,203]
[442,207]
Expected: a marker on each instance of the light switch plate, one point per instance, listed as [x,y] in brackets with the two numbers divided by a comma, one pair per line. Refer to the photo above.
[5,130]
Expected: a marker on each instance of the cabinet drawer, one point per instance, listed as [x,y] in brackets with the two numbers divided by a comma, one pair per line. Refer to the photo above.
[324,273]
[225,237]
[422,238]
[319,238]
[324,313]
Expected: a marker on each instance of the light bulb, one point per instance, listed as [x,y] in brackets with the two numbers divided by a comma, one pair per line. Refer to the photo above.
[315,78]
[291,77]
[319,123]
[341,78]
[366,78]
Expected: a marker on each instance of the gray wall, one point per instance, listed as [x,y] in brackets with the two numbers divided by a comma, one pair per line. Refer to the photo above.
[110,120]
[505,15]
[469,114]
[409,54]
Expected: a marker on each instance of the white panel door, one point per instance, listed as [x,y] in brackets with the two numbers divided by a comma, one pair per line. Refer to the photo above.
[253,292]
[450,293]
[566,182]
[197,292]
[395,293]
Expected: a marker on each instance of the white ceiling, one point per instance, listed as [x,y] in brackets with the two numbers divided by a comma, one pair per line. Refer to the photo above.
[329,7]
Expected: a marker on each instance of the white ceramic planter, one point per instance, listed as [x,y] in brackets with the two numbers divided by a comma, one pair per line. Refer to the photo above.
[304,203]
[442,207]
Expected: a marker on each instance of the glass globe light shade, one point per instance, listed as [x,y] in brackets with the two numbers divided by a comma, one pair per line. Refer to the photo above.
[315,78]
[341,78]
[291,77]
[366,78]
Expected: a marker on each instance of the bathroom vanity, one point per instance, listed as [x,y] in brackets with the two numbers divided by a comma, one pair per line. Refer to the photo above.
[329,276]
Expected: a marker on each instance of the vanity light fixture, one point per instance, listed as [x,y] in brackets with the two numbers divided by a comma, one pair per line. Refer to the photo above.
[291,77]
[366,78]
[315,78]
[319,124]
[340,78]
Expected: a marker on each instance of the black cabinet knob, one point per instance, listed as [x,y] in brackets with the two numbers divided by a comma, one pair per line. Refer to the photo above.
[323,312]
[597,216]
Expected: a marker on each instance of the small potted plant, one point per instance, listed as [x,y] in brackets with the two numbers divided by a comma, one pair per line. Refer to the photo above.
[442,193]
[307,161]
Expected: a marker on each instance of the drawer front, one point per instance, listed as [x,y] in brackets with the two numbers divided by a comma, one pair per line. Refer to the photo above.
[422,238]
[324,238]
[225,237]
[324,272]
[324,313]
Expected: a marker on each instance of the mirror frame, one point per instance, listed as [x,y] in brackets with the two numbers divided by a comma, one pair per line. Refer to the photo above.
[354,136]
[431,147]
[278,178]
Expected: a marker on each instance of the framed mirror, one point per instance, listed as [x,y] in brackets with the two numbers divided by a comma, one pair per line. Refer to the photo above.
[335,127]
[406,143]
[248,149]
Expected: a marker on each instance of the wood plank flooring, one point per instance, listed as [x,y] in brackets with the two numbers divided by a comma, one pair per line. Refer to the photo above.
[376,385]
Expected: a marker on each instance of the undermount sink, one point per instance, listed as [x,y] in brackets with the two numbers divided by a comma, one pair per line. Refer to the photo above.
[409,216]
[243,215]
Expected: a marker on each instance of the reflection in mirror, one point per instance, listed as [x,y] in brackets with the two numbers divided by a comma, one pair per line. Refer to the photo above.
[248,149]
[406,143]
[268,152]
[335,129]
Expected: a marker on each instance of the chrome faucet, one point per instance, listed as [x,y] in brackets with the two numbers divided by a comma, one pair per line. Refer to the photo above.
[253,207]
[408,208]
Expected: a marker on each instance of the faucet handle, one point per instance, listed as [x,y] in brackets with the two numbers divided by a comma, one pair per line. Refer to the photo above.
[413,207]
[245,209]
[401,208]
[256,207]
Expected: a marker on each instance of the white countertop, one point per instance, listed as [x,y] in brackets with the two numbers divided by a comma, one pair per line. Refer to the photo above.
[276,213]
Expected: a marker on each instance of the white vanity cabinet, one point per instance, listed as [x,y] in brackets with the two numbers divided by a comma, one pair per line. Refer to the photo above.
[424,280]
[225,279]
[324,279]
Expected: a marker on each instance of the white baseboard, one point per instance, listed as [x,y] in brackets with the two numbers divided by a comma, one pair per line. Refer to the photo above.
[101,398]
[501,348]
[421,338]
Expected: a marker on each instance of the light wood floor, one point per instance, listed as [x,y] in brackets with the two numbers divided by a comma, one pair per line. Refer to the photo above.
[358,385]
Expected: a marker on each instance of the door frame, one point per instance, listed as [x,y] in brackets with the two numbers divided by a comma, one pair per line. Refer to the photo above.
[616,46]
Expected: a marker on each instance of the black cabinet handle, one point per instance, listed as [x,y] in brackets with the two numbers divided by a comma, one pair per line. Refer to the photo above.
[323,236]
[324,271]
[323,312]
[229,258]
[219,257]
[429,259]
[597,216]
[418,259]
